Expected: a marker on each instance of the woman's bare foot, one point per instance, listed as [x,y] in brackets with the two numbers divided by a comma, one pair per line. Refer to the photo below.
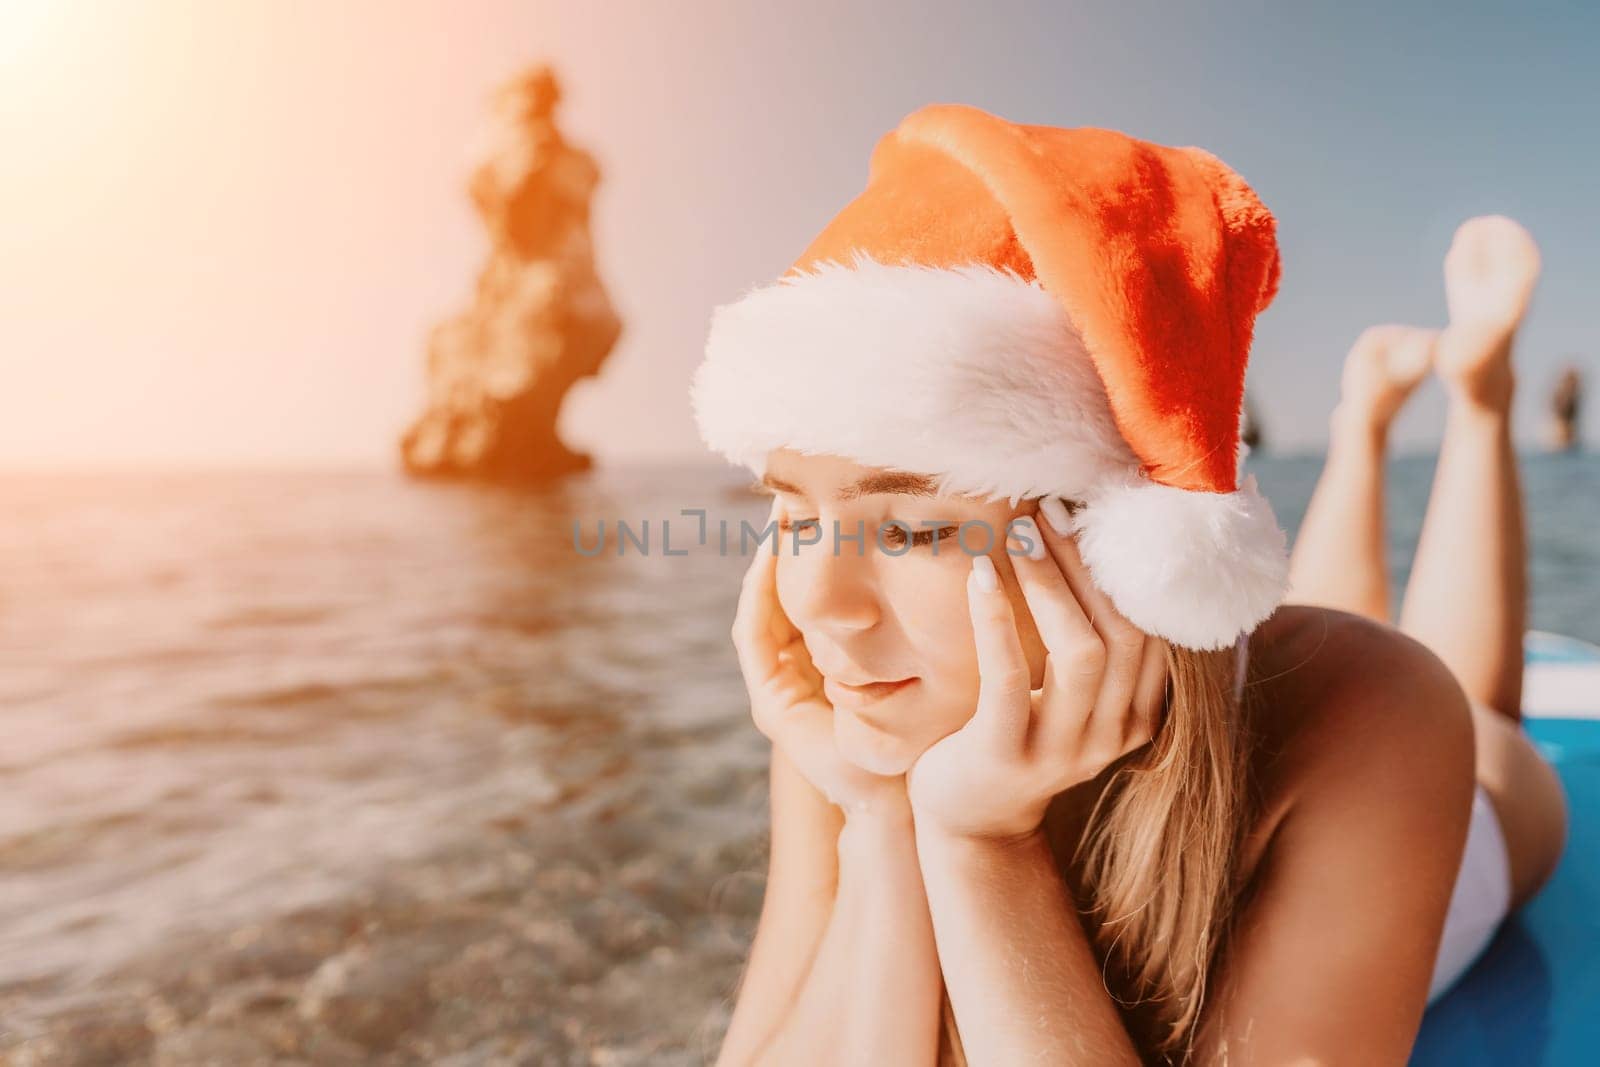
[1380,371]
[1489,276]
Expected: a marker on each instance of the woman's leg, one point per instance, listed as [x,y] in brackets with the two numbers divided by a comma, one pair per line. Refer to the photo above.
[1467,596]
[1338,559]
[1527,796]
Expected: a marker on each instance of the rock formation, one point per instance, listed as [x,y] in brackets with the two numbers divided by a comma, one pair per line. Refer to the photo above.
[1250,430]
[1565,411]
[539,321]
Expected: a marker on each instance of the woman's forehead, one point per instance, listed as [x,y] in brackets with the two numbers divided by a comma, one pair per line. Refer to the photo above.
[824,476]
[818,468]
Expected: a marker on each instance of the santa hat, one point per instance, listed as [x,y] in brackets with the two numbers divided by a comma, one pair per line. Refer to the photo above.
[1024,310]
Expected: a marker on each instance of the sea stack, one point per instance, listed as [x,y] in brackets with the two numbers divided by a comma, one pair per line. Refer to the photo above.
[1250,431]
[539,320]
[1565,411]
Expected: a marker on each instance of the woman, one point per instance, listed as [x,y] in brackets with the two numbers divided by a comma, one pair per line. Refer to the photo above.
[1089,794]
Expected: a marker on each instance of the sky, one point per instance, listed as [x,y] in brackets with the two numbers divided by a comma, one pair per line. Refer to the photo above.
[227,227]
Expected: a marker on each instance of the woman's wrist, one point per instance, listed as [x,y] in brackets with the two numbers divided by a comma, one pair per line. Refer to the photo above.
[885,817]
[934,836]
[994,828]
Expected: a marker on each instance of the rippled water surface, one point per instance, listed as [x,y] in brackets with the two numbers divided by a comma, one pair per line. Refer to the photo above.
[334,768]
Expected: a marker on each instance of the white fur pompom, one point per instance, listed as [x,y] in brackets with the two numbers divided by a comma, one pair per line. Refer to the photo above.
[1193,567]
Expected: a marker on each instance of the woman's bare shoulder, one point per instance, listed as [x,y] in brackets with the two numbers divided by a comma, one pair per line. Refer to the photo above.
[1368,775]
[1339,696]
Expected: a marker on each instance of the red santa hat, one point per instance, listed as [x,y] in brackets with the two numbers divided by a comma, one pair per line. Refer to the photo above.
[1022,310]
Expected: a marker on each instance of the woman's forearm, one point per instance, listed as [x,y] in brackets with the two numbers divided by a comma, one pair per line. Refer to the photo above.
[873,994]
[1023,980]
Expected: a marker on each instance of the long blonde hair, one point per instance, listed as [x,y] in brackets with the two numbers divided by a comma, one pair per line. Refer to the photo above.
[1160,864]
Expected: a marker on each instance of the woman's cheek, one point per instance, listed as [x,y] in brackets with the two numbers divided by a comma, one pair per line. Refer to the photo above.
[939,625]
[929,599]
[793,577]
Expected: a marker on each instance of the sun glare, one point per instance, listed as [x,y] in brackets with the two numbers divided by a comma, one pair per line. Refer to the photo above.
[25,26]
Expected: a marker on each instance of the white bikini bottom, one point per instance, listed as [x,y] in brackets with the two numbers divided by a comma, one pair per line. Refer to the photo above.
[1480,900]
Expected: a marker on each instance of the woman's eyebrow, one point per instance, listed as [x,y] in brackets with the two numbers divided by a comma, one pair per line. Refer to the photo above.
[889,482]
[876,482]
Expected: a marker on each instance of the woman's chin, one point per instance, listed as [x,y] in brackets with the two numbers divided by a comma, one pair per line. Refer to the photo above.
[871,747]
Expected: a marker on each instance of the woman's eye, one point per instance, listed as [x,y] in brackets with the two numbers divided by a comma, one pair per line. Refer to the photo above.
[896,535]
[893,535]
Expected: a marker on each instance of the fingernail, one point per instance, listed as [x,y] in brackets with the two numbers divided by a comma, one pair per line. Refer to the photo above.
[988,578]
[1025,527]
[1055,513]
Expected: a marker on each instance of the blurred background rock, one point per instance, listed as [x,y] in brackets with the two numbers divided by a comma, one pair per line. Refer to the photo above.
[499,371]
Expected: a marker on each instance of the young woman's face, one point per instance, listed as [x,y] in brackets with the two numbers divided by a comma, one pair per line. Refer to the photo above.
[890,606]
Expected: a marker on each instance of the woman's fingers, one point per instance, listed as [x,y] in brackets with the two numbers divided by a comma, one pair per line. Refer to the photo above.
[1150,691]
[772,655]
[1064,627]
[1075,654]
[1005,685]
[780,630]
[754,638]
[1115,725]
[786,636]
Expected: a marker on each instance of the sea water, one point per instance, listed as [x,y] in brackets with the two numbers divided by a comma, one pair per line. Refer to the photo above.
[342,766]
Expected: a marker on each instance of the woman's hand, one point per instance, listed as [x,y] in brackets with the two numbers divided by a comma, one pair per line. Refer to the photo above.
[786,697]
[1102,697]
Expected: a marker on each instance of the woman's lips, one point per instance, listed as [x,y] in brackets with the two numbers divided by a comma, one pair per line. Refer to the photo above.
[871,692]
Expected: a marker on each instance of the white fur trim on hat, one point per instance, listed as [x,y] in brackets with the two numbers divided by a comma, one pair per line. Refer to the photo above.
[976,377]
[969,374]
[1196,568]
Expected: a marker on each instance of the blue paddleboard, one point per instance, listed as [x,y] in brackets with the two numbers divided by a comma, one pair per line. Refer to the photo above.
[1533,997]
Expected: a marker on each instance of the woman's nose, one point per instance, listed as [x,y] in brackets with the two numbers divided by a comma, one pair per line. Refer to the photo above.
[836,592]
